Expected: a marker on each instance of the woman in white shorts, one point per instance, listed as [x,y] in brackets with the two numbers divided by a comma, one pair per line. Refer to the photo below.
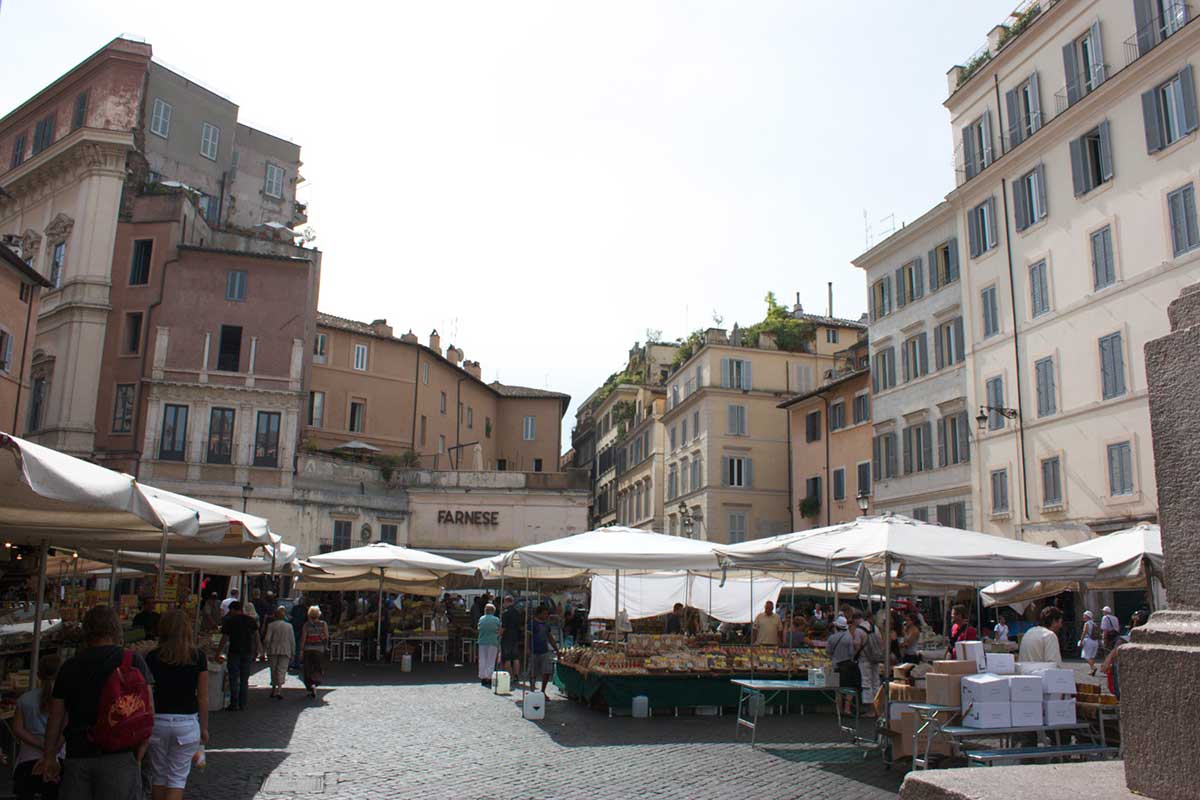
[180,671]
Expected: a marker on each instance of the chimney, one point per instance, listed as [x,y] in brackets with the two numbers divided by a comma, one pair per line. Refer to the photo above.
[715,336]
[830,314]
[797,309]
[474,369]
[454,355]
[381,328]
[435,342]
[409,338]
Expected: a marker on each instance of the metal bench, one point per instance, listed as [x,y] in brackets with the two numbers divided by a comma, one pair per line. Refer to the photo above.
[1010,754]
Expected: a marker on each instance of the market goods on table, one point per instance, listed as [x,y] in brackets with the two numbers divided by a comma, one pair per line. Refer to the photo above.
[673,654]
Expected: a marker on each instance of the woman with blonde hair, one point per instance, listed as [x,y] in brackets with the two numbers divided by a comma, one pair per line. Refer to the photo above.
[314,638]
[280,644]
[180,671]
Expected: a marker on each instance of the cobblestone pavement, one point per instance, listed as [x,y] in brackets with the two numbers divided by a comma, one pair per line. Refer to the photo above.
[378,733]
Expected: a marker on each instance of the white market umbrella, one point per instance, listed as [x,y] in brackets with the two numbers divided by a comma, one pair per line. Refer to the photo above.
[615,548]
[207,565]
[1129,559]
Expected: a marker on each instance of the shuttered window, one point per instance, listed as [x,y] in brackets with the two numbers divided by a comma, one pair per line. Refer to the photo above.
[812,426]
[1104,269]
[1182,206]
[864,478]
[1047,403]
[1169,110]
[1156,20]
[1083,63]
[160,118]
[1112,366]
[1029,198]
[884,375]
[995,398]
[837,416]
[999,491]
[991,312]
[977,145]
[736,419]
[862,408]
[981,227]
[954,445]
[737,471]
[1052,482]
[1120,469]
[1024,106]
[1039,290]
[839,483]
[1091,159]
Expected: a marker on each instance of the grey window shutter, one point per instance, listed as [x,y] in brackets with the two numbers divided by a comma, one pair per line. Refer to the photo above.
[1152,121]
[1143,17]
[960,344]
[1189,210]
[1040,369]
[748,472]
[1178,223]
[1020,203]
[891,455]
[875,376]
[908,454]
[724,470]
[900,298]
[939,359]
[973,232]
[1187,83]
[876,462]
[993,228]
[724,373]
[747,375]
[934,277]
[1040,170]
[1098,270]
[968,152]
[1106,161]
[952,260]
[918,279]
[1035,103]
[1070,68]
[887,292]
[1114,469]
[1107,382]
[731,419]
[1118,365]
[904,366]
[988,156]
[927,445]
[964,444]
[941,432]
[1099,70]
[923,344]
[1078,168]
[1014,119]
[1051,388]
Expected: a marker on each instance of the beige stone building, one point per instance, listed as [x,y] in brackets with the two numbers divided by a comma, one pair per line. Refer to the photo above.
[20,290]
[614,416]
[641,463]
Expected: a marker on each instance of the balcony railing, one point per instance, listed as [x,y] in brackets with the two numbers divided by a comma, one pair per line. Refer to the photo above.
[1157,29]
[1072,93]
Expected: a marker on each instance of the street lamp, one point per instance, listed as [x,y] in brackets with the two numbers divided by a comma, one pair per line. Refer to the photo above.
[864,501]
[246,490]
[982,419]
[685,519]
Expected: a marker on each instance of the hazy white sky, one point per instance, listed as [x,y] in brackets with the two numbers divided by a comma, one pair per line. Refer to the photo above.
[543,182]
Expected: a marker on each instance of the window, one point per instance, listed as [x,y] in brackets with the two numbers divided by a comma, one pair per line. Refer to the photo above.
[954,443]
[229,352]
[1169,111]
[131,337]
[274,181]
[235,285]
[883,376]
[695,424]
[1083,63]
[737,527]
[487,427]
[683,437]
[1047,403]
[921,513]
[470,418]
[139,270]
[977,145]
[953,515]
[387,532]
[918,448]
[1039,290]
[991,312]
[43,134]
[862,408]
[1184,234]
[735,374]
[839,483]
[6,346]
[1104,271]
[210,137]
[881,298]
[360,361]
[424,428]
[18,152]
[949,345]
[529,430]
[812,488]
[160,118]
[738,471]
[1024,105]
[220,436]
[37,402]
[319,348]
[173,444]
[266,439]
[442,403]
[910,283]
[1091,159]
[697,473]
[58,254]
[736,422]
[1120,469]
[685,475]
[981,227]
[837,416]
[26,292]
[316,409]
[425,374]
[864,478]
[1000,491]
[341,534]
[994,391]
[831,335]
[1029,197]
[1112,366]
[210,208]
[915,357]
[1052,482]
[673,482]
[122,421]
[885,457]
[812,426]
[943,265]
[358,418]
[441,445]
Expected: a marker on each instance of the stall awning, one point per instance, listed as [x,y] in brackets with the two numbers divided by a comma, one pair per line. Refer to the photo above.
[612,548]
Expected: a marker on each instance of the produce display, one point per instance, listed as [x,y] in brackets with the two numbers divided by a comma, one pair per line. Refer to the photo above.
[647,654]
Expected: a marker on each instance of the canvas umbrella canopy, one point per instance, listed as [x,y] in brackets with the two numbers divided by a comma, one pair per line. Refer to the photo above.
[208,565]
[614,548]
[390,562]
[1129,559]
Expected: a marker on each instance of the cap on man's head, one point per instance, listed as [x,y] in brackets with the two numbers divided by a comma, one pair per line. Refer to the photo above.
[840,622]
[1087,614]
[1107,609]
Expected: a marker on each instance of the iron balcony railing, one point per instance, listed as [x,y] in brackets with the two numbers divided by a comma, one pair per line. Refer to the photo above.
[1154,31]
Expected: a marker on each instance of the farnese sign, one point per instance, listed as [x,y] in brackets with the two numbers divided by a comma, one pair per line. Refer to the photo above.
[490,518]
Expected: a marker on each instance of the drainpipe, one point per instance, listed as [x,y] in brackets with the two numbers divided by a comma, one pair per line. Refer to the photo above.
[787,382]
[828,483]
[416,389]
[458,421]
[34,294]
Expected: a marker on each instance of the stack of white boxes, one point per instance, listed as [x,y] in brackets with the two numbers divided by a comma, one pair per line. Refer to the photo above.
[1058,691]
[1010,695]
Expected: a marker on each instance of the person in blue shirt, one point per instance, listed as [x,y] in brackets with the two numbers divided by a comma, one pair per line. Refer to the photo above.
[541,640]
[488,644]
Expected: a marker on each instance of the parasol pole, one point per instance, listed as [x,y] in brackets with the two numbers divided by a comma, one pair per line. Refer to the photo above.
[162,566]
[887,636]
[199,600]
[752,635]
[525,638]
[112,581]
[379,614]
[616,604]
[37,612]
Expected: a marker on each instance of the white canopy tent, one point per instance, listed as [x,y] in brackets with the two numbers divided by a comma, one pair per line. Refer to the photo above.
[642,596]
[207,565]
[613,548]
[1129,559]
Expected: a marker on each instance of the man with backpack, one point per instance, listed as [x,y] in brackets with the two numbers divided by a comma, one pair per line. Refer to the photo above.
[102,697]
[868,649]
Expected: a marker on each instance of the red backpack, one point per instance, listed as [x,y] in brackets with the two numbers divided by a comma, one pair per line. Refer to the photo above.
[123,717]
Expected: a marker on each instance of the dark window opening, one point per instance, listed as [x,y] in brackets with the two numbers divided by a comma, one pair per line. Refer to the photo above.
[266,439]
[229,351]
[220,436]
[173,444]
[139,270]
[131,343]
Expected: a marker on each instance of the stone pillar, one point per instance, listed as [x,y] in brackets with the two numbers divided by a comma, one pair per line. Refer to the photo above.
[1160,669]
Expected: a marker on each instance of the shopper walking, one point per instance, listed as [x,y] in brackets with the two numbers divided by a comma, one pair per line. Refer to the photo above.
[29,727]
[488,644]
[541,640]
[180,671]
[840,647]
[299,617]
[315,638]
[961,631]
[240,633]
[1089,641]
[90,771]
[512,635]
[1040,643]
[228,601]
[280,646]
[869,653]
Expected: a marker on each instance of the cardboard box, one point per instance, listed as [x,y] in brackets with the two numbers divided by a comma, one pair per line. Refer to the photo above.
[904,693]
[906,708]
[1026,715]
[985,688]
[1034,667]
[943,690]
[1058,681]
[988,715]
[1025,689]
[1001,663]
[972,651]
[954,668]
[901,731]
[1058,712]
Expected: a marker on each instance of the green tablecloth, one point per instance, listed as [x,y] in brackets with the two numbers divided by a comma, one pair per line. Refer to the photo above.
[663,691]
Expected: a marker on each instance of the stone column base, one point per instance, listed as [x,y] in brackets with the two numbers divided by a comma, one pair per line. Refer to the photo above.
[1102,780]
[1160,699]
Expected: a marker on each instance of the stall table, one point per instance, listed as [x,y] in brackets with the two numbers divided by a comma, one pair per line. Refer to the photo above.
[434,644]
[751,689]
